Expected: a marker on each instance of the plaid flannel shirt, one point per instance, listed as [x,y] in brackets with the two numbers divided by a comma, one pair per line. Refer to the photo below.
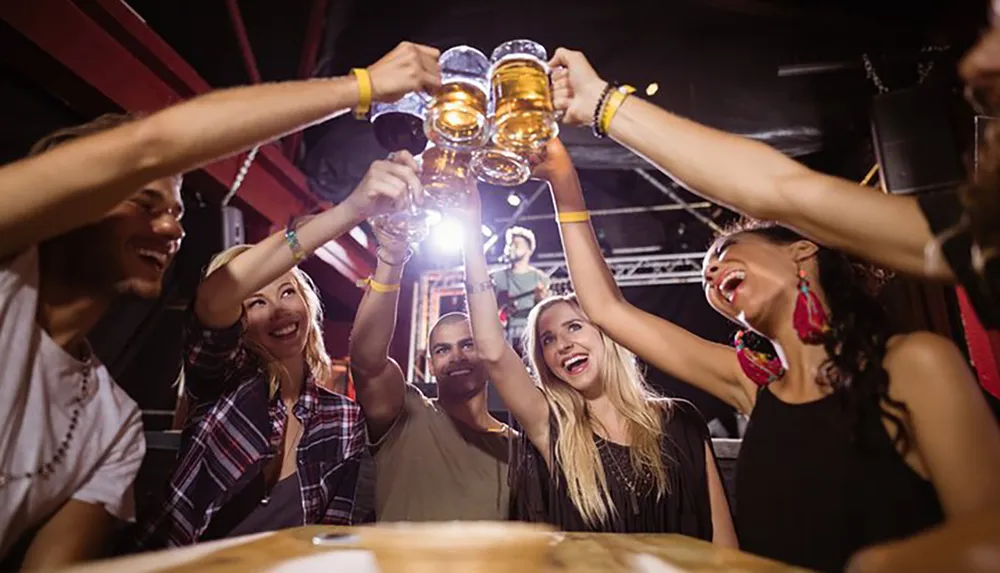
[234,428]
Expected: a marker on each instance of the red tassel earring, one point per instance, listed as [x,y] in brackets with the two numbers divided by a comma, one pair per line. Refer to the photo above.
[810,319]
[760,368]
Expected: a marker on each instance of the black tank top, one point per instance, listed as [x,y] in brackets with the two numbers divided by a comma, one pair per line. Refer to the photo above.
[808,495]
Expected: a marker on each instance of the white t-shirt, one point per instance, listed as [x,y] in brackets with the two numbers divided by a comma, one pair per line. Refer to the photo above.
[39,383]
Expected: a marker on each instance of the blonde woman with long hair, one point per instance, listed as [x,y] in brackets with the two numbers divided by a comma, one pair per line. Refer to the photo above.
[266,446]
[604,452]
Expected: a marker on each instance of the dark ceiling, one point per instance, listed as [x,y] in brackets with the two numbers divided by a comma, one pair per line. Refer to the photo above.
[715,61]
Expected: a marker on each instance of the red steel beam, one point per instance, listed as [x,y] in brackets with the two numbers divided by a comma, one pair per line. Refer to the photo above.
[108,56]
[307,63]
[243,40]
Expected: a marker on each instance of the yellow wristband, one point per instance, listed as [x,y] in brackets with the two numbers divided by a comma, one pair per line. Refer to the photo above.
[615,101]
[364,92]
[574,216]
[377,286]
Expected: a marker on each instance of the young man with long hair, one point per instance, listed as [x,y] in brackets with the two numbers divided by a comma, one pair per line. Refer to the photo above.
[93,214]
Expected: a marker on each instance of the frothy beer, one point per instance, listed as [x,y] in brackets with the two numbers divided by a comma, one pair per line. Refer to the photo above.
[458,113]
[524,116]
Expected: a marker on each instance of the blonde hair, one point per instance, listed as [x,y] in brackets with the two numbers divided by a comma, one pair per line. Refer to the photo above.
[575,450]
[317,360]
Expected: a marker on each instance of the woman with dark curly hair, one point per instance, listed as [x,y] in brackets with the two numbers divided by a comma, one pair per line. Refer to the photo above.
[951,236]
[857,434]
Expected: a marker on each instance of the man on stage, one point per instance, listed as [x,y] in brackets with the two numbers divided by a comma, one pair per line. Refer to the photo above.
[519,286]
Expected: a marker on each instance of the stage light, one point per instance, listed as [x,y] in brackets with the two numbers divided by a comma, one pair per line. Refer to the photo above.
[652,88]
[487,231]
[513,199]
[447,236]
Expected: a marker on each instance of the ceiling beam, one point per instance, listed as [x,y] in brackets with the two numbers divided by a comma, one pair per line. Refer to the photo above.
[99,55]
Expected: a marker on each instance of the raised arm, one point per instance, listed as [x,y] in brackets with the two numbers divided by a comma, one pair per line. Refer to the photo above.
[709,366]
[503,366]
[378,380]
[753,178]
[952,428]
[77,183]
[219,300]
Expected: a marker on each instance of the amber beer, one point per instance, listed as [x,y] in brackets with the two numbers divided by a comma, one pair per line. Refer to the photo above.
[458,112]
[524,117]
[446,176]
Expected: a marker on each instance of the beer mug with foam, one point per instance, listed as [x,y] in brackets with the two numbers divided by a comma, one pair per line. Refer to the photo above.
[524,119]
[522,116]
[400,125]
[457,116]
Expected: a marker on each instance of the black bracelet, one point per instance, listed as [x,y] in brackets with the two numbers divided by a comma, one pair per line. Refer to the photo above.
[406,257]
[608,87]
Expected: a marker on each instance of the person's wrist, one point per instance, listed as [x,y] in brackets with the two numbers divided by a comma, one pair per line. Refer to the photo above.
[393,256]
[353,209]
[591,94]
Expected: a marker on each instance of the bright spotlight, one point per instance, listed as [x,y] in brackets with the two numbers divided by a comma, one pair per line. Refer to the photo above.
[513,199]
[447,236]
[652,88]
[487,231]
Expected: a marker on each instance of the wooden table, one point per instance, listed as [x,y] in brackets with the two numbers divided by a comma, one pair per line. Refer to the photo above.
[292,550]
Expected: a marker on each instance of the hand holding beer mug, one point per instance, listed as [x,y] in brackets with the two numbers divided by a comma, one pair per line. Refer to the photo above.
[457,114]
[407,68]
[406,221]
[576,87]
[522,113]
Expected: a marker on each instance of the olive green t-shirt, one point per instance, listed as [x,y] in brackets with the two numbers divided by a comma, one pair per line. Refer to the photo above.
[433,468]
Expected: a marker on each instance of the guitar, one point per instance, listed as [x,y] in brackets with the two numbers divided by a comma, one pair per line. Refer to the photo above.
[507,304]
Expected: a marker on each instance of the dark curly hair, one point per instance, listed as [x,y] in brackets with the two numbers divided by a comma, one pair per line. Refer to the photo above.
[858,337]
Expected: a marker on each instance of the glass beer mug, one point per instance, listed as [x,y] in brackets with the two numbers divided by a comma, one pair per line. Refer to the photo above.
[411,225]
[457,116]
[446,176]
[524,119]
[400,125]
[521,112]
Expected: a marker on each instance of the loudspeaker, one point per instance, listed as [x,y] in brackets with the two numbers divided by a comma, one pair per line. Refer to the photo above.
[233,231]
[915,141]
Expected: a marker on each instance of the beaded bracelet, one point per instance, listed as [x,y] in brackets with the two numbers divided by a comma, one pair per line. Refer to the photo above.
[613,103]
[293,243]
[599,109]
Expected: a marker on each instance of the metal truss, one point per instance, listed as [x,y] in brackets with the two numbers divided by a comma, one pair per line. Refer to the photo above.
[637,270]
[633,270]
